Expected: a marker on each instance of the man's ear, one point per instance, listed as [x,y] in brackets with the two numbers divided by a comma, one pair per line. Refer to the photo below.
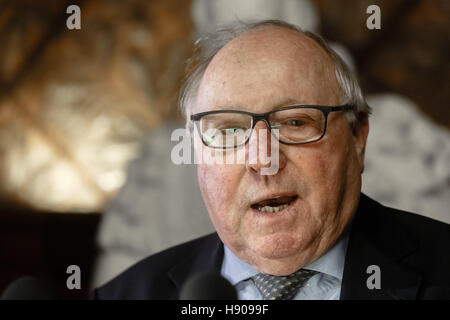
[360,133]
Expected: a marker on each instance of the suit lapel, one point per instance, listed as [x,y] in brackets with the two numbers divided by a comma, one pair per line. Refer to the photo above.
[208,256]
[378,239]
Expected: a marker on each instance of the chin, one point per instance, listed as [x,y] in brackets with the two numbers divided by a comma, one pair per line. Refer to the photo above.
[277,246]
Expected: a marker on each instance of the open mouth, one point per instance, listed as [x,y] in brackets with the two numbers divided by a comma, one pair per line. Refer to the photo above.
[274,204]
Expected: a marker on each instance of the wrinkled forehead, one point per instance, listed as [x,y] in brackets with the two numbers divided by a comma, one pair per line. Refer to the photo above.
[267,62]
[272,42]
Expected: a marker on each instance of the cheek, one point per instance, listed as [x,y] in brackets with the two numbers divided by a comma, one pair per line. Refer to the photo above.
[324,169]
[219,185]
[211,181]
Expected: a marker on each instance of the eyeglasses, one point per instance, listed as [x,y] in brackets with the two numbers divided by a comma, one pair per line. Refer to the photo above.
[300,124]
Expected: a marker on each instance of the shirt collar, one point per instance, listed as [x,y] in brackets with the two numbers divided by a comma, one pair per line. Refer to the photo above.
[331,263]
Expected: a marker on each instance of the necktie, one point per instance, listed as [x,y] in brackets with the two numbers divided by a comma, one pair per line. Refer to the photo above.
[281,287]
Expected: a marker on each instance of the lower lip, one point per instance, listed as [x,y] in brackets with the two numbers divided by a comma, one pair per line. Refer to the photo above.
[275,214]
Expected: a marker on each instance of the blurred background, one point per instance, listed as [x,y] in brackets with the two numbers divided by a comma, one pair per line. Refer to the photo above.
[86,117]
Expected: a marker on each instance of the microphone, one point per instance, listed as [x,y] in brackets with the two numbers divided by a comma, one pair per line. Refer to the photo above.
[29,288]
[208,286]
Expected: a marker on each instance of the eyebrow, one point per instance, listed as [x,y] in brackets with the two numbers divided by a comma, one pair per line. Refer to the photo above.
[284,102]
[279,104]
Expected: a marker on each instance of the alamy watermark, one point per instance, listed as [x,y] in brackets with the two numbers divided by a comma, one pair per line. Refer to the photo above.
[374,20]
[74,20]
[374,280]
[74,280]
[190,150]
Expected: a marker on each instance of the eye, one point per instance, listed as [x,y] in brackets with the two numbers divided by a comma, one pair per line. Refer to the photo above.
[294,122]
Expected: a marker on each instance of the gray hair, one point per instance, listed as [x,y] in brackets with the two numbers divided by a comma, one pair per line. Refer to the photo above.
[207,47]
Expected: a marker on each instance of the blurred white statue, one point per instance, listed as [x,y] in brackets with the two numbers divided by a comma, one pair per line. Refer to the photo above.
[407,158]
[209,14]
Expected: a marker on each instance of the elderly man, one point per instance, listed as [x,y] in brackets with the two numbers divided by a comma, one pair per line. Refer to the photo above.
[303,231]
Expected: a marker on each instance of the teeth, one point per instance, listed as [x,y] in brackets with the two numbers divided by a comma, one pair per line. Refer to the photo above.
[272,209]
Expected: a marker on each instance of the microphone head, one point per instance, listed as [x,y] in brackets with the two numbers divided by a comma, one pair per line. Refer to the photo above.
[208,286]
[29,288]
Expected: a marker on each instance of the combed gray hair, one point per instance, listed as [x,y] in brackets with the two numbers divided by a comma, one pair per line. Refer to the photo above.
[207,47]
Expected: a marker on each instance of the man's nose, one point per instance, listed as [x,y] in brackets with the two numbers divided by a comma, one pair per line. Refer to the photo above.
[259,152]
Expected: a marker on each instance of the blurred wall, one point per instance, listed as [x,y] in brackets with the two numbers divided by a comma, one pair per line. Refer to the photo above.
[74,104]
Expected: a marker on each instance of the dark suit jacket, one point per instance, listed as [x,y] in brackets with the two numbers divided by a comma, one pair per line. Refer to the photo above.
[413,253]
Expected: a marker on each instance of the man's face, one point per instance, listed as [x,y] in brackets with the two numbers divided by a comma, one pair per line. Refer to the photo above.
[260,71]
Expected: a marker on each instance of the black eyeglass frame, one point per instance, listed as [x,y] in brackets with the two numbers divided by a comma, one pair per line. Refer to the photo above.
[256,117]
